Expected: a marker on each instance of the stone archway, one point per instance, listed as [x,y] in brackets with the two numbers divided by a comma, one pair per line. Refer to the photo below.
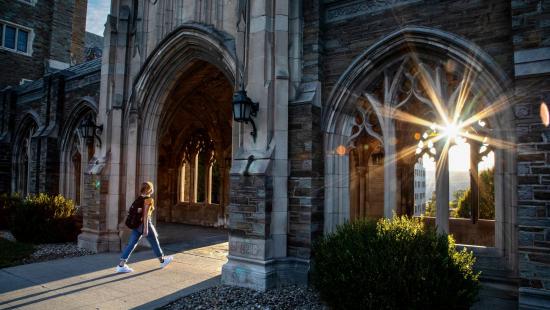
[376,77]
[180,69]
[194,152]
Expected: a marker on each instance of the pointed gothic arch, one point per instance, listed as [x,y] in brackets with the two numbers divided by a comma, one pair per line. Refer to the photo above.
[23,154]
[74,152]
[172,59]
[371,83]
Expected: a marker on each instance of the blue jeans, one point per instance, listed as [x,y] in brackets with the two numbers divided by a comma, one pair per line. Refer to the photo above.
[136,235]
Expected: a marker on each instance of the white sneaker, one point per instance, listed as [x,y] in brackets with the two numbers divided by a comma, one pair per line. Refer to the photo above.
[123,269]
[167,260]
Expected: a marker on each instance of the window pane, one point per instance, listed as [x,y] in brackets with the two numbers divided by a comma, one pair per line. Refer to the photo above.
[9,41]
[1,33]
[22,41]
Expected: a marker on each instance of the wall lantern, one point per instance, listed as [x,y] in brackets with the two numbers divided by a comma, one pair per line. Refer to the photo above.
[244,109]
[89,130]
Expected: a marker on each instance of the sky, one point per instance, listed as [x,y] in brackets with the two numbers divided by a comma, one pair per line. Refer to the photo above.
[459,159]
[97,15]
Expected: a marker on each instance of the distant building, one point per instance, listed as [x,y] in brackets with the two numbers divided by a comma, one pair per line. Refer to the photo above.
[39,37]
[419,189]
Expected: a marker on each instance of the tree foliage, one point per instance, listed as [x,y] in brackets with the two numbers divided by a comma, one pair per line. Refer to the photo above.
[486,198]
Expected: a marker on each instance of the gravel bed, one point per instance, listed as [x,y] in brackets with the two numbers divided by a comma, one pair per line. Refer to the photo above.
[227,297]
[50,251]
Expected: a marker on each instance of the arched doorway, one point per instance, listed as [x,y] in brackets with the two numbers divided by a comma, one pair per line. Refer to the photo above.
[195,148]
[179,126]
[412,96]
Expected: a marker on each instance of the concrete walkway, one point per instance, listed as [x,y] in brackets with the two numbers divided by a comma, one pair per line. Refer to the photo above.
[88,282]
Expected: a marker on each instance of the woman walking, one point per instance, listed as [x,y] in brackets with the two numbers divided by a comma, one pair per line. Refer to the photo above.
[146,229]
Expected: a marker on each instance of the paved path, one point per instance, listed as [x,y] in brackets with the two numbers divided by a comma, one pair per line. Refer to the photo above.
[88,282]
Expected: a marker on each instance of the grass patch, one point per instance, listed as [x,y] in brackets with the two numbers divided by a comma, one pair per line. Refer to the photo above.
[11,253]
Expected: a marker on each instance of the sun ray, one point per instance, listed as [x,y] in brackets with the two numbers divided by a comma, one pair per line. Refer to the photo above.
[465,87]
[494,142]
[499,105]
[407,117]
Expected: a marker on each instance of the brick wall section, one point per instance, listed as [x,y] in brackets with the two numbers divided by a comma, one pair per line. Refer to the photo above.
[79,31]
[312,41]
[16,66]
[61,35]
[486,23]
[7,113]
[305,149]
[250,206]
[531,23]
[53,98]
[533,185]
[59,30]
[306,181]
[531,30]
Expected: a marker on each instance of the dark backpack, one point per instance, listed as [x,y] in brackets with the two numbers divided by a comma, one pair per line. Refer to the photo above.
[135,214]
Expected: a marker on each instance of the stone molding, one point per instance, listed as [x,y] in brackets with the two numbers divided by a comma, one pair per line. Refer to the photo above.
[531,62]
[345,11]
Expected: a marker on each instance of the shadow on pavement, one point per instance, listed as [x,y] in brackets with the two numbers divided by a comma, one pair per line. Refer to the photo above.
[183,237]
[181,293]
[118,277]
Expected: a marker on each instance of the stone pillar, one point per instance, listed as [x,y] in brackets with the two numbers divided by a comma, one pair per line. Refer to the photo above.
[95,234]
[106,163]
[442,192]
[259,174]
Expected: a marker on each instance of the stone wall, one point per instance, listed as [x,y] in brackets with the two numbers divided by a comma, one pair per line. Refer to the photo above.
[353,26]
[306,182]
[78,32]
[58,29]
[533,184]
[305,144]
[52,100]
[38,17]
[531,42]
[250,205]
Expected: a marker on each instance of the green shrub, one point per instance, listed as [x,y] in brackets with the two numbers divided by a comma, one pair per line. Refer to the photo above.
[8,203]
[393,264]
[11,253]
[45,218]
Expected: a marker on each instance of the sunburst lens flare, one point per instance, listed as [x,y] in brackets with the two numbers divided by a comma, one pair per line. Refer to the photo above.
[451,131]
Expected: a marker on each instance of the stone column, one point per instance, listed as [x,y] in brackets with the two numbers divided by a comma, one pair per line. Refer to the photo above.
[106,165]
[259,173]
[442,191]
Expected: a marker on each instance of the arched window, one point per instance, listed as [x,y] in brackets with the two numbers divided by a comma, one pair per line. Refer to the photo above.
[199,176]
[23,158]
[430,109]
[75,152]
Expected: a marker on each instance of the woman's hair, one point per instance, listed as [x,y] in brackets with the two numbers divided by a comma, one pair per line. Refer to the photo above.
[147,188]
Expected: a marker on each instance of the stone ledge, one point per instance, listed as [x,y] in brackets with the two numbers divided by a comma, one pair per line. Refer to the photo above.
[532,61]
[530,298]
